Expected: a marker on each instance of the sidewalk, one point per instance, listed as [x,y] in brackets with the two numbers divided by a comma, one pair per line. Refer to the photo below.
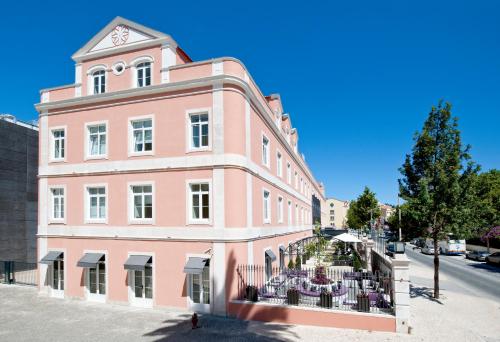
[25,316]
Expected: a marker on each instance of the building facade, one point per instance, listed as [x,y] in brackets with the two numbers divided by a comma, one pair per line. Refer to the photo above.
[158,175]
[337,213]
[18,189]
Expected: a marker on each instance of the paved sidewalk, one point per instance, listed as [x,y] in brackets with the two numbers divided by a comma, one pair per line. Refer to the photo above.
[25,316]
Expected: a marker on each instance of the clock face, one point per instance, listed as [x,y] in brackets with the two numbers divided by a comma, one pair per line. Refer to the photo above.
[120,35]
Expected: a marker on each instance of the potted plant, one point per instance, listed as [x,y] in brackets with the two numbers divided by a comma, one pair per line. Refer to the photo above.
[363,302]
[325,299]
[252,293]
[292,296]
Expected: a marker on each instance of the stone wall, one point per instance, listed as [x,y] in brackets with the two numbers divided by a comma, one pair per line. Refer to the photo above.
[18,192]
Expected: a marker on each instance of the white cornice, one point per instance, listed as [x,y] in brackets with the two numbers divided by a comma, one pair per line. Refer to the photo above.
[184,233]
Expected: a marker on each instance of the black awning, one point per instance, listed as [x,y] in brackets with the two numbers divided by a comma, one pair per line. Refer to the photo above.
[137,262]
[51,257]
[195,265]
[270,254]
[90,260]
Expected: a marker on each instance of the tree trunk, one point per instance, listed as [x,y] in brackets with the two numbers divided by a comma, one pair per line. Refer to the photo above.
[436,267]
[488,244]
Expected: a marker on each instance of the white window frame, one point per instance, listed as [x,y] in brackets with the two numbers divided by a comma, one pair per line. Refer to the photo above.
[57,293]
[266,205]
[86,132]
[199,307]
[86,201]
[131,218]
[51,204]
[279,164]
[296,180]
[280,209]
[301,185]
[289,172]
[132,299]
[289,212]
[96,297]
[297,223]
[189,202]
[189,131]
[134,64]
[266,157]
[90,78]
[131,120]
[52,157]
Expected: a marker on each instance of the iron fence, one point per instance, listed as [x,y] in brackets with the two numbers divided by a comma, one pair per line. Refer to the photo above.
[18,272]
[332,287]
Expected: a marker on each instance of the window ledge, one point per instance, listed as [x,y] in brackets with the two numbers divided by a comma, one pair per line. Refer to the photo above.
[140,154]
[97,157]
[141,221]
[199,222]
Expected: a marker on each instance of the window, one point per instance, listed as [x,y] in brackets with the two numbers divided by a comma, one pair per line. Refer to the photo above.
[58,203]
[199,130]
[58,273]
[280,209]
[58,144]
[282,257]
[143,281]
[265,151]
[296,214]
[279,164]
[288,173]
[296,180]
[301,185]
[267,206]
[199,202]
[268,266]
[200,286]
[99,81]
[332,218]
[142,199]
[143,74]
[97,278]
[96,140]
[332,212]
[96,203]
[289,212]
[142,132]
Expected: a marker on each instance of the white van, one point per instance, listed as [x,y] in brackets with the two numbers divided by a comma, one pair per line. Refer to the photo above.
[450,246]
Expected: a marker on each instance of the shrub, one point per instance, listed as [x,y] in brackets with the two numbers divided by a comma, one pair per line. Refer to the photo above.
[298,262]
[291,264]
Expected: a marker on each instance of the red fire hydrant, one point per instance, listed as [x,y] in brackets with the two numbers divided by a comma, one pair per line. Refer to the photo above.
[194,321]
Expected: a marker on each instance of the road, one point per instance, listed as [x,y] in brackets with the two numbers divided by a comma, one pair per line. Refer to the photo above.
[476,277]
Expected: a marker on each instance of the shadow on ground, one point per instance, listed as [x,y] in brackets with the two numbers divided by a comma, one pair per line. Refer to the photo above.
[213,328]
[486,267]
[422,291]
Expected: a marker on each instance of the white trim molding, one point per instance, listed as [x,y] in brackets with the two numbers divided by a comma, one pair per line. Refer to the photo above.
[130,200]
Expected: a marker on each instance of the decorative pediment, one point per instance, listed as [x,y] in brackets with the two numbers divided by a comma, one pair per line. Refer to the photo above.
[121,35]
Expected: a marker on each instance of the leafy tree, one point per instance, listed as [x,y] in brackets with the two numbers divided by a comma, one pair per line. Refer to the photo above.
[487,193]
[361,209]
[438,179]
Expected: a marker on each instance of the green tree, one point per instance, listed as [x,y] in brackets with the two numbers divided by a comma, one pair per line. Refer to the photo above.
[487,194]
[362,209]
[437,182]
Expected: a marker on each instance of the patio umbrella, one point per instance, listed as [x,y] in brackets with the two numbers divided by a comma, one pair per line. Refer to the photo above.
[345,237]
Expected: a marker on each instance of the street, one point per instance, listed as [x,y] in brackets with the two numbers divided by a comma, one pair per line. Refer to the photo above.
[477,278]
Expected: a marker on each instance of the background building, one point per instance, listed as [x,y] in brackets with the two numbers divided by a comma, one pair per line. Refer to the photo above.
[18,189]
[337,212]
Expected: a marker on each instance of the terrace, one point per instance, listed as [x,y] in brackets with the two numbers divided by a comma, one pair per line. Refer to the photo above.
[320,274]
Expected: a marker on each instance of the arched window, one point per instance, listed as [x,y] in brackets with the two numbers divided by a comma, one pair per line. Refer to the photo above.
[143,74]
[99,81]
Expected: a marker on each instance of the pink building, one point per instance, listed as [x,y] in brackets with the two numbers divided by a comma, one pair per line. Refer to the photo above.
[158,175]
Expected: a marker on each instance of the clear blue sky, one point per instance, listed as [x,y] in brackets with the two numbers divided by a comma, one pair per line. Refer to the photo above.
[357,77]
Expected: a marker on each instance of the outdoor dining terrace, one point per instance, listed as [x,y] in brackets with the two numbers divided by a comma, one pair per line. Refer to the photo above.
[319,286]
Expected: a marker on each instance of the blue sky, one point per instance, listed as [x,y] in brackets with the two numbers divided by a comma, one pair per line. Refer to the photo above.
[357,77]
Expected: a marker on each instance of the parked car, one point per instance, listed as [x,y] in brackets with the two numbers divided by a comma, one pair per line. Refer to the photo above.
[493,258]
[477,255]
[427,249]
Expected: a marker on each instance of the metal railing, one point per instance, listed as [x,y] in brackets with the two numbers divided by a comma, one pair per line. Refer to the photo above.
[18,272]
[332,287]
